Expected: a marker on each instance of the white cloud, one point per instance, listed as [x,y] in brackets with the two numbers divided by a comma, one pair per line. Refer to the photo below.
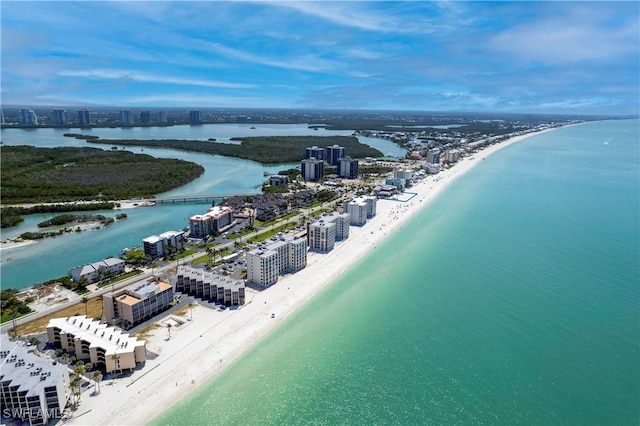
[567,39]
[300,63]
[150,78]
[205,100]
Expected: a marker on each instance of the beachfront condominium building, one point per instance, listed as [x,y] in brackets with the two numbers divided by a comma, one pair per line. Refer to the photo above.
[98,270]
[321,235]
[84,117]
[342,221]
[195,116]
[32,388]
[60,117]
[210,285]
[314,152]
[329,228]
[312,169]
[28,117]
[360,209]
[333,154]
[431,168]
[145,117]
[108,348]
[403,174]
[164,244]
[347,168]
[433,156]
[274,257]
[126,117]
[452,156]
[210,223]
[136,303]
[398,183]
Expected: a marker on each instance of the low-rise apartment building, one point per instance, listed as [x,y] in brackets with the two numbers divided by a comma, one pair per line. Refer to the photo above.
[210,285]
[136,303]
[104,346]
[32,388]
[98,270]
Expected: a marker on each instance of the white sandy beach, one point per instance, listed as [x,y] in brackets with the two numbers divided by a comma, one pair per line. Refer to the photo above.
[202,347]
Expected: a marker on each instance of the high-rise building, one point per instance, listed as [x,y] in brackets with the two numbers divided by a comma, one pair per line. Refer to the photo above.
[161,117]
[27,116]
[195,116]
[84,117]
[126,118]
[210,223]
[361,209]
[433,156]
[2,117]
[347,168]
[60,117]
[312,169]
[314,152]
[272,258]
[333,154]
[452,156]
[145,117]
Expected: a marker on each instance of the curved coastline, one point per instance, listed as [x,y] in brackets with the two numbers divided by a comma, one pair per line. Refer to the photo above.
[216,339]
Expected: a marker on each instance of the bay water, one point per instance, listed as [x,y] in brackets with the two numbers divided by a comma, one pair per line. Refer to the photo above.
[22,267]
[512,298]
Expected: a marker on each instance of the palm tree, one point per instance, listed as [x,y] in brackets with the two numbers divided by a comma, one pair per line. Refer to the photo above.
[85,300]
[116,358]
[96,378]
[75,388]
[209,252]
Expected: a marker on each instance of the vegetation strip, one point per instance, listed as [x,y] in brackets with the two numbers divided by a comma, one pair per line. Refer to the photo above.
[262,149]
[39,175]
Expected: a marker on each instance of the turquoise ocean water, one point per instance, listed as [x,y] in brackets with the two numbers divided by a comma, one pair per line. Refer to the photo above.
[513,298]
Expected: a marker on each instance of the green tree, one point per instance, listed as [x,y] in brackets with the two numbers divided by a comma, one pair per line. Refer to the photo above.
[96,379]
[85,300]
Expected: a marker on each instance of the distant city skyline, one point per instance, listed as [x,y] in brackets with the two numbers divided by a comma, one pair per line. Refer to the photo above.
[521,57]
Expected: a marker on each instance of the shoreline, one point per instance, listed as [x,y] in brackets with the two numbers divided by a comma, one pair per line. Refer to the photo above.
[216,339]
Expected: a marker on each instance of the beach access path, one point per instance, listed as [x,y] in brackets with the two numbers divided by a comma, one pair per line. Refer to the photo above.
[203,346]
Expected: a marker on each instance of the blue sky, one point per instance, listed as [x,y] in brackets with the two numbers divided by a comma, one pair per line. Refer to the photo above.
[538,57]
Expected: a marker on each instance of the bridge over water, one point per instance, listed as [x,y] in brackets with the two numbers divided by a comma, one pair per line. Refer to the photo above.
[190,198]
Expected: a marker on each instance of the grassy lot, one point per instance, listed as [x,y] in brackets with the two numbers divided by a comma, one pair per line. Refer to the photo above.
[120,278]
[268,234]
[93,310]
[278,219]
